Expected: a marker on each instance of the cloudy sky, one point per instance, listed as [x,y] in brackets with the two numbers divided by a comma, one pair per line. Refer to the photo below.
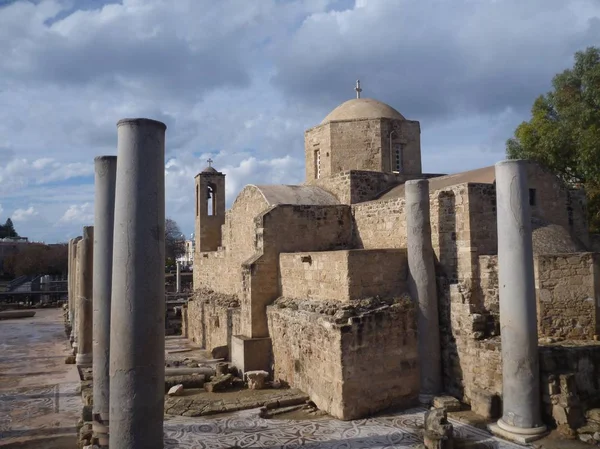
[239,81]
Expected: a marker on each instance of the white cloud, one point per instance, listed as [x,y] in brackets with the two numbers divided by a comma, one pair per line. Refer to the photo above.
[240,81]
[78,214]
[24,214]
[1,209]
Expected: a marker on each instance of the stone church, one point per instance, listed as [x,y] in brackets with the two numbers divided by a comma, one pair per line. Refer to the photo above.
[309,282]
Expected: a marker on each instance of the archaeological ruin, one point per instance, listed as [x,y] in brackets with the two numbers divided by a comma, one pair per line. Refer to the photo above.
[368,290]
[371,287]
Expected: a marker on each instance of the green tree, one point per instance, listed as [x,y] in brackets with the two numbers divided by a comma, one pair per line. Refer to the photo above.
[564,131]
[174,242]
[8,229]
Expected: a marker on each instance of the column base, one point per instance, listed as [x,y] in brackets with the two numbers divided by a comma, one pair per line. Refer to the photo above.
[100,430]
[83,359]
[251,354]
[517,435]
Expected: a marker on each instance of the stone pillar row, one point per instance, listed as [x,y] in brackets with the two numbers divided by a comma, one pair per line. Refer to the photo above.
[116,296]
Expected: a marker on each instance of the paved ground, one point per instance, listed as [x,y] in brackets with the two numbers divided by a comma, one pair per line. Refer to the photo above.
[247,430]
[39,404]
[39,407]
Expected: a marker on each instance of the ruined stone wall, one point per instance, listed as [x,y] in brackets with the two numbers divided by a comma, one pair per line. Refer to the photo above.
[579,359]
[351,364]
[482,217]
[568,299]
[488,285]
[316,275]
[195,322]
[221,270]
[287,228]
[343,275]
[213,318]
[380,361]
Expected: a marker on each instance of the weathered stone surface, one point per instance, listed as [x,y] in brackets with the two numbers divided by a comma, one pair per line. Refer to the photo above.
[256,379]
[187,380]
[439,433]
[340,388]
[221,369]
[449,403]
[219,383]
[202,403]
[176,390]
[593,415]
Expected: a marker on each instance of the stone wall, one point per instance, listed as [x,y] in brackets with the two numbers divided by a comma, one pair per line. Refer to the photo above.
[579,359]
[286,228]
[343,275]
[379,224]
[317,139]
[568,300]
[222,270]
[352,362]
[356,145]
[212,319]
[408,134]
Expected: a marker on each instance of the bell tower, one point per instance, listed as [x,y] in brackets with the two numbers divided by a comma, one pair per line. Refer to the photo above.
[210,208]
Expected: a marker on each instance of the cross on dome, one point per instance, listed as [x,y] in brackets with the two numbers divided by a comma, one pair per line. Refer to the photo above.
[358,89]
[210,161]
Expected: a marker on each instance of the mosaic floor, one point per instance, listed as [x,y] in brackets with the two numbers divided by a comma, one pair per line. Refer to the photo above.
[246,430]
[39,402]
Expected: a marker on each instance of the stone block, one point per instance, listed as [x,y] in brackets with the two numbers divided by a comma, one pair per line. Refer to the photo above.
[176,390]
[219,383]
[256,379]
[251,354]
[486,404]
[220,352]
[451,404]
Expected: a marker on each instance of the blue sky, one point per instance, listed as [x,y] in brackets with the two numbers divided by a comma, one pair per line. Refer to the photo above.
[239,81]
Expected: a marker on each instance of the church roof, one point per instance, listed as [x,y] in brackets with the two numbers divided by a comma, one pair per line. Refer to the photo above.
[290,194]
[362,108]
[485,175]
[210,169]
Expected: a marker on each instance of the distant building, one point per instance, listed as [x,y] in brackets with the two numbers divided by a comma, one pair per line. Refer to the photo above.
[187,259]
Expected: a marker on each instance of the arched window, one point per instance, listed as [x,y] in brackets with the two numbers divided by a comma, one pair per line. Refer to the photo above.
[211,200]
[398,157]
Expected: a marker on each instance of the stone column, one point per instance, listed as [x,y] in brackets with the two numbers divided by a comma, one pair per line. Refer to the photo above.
[137,327]
[104,217]
[85,250]
[422,286]
[178,278]
[521,417]
[69,291]
[76,266]
[71,285]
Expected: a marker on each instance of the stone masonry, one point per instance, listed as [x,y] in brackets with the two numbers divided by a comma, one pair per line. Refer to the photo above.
[292,260]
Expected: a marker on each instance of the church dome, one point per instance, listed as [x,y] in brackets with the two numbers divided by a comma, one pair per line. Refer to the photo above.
[362,108]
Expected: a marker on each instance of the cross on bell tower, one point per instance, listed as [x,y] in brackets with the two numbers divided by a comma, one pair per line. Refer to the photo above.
[358,89]
[210,161]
